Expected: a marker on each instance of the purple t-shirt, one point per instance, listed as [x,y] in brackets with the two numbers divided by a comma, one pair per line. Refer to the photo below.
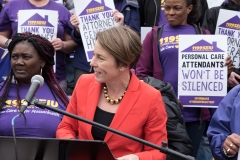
[169,52]
[39,122]
[162,19]
[9,19]
[168,46]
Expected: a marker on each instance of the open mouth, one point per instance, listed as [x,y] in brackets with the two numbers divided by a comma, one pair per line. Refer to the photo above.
[97,73]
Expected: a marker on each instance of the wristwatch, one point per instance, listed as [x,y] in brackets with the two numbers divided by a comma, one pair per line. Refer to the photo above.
[7,43]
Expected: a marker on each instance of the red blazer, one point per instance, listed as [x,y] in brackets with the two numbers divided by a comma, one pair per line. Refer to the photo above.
[141,113]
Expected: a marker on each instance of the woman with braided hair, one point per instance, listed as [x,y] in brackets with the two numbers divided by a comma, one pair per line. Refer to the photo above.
[30,55]
[63,44]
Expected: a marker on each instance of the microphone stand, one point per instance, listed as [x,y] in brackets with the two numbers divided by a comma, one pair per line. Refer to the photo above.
[162,149]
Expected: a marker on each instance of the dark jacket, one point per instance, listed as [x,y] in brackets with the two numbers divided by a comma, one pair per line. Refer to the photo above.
[178,139]
[131,19]
[130,10]
[211,15]
[149,12]
[204,8]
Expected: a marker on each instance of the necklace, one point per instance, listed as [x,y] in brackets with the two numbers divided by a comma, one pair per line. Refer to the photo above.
[112,101]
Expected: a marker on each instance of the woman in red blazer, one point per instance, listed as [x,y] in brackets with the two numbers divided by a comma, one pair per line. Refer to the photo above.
[113,96]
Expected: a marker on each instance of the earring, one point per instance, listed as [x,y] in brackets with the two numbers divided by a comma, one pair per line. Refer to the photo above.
[41,71]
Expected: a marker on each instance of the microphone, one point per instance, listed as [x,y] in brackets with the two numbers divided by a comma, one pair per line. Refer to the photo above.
[36,82]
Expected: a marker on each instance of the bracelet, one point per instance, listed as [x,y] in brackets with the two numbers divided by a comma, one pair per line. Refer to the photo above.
[228,155]
[7,43]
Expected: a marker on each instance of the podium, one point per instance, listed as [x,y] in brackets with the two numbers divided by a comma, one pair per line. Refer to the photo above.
[54,149]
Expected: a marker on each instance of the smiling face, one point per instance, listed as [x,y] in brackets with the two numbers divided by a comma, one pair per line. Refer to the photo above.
[176,12]
[25,62]
[104,65]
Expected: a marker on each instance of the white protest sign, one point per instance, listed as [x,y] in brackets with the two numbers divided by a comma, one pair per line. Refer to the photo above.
[229,24]
[214,3]
[144,32]
[41,22]
[202,76]
[94,16]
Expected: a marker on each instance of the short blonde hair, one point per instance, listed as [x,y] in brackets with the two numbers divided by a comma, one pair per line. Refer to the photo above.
[123,43]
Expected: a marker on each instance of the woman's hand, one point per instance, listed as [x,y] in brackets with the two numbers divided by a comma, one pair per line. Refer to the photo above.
[75,22]
[57,44]
[118,17]
[129,157]
[229,64]
[231,144]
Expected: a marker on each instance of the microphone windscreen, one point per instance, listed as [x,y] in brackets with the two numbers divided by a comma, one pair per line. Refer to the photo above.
[39,79]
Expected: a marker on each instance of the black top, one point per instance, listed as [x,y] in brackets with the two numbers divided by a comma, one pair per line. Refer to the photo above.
[104,118]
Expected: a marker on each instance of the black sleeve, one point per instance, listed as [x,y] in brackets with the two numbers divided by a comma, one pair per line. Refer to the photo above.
[210,19]
[178,139]
[141,11]
[237,70]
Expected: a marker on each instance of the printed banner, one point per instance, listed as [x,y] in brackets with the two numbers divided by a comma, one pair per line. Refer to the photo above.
[202,76]
[229,24]
[94,16]
[40,22]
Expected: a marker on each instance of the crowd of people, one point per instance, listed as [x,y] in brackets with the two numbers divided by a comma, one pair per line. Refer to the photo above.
[129,85]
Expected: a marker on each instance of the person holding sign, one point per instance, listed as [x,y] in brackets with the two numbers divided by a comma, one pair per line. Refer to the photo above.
[63,44]
[30,55]
[210,23]
[224,129]
[160,58]
[211,15]
[115,97]
[128,16]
